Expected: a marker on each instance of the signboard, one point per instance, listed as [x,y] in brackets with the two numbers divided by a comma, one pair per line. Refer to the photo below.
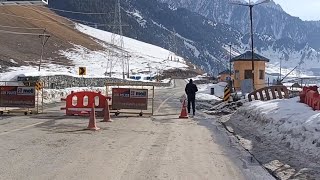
[82,71]
[126,98]
[17,96]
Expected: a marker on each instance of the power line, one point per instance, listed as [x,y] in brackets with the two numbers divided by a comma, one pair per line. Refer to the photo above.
[69,19]
[78,12]
[23,33]
[15,27]
[77,20]
[43,12]
[6,14]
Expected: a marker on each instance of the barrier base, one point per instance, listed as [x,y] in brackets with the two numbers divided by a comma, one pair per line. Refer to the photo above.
[93,129]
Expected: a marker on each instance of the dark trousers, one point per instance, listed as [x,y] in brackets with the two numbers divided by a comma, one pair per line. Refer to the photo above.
[191,101]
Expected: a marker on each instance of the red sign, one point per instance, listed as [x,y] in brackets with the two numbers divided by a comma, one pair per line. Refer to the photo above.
[125,98]
[17,96]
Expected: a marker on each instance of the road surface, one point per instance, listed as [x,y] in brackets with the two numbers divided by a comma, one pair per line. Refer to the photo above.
[52,146]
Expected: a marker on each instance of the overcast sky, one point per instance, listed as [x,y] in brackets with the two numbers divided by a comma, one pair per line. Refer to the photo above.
[305,9]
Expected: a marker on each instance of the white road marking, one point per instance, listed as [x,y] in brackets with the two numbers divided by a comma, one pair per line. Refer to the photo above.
[163,102]
[19,129]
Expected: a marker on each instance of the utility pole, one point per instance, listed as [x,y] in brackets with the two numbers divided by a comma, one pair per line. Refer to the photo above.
[117,37]
[128,65]
[281,65]
[251,5]
[44,39]
[230,81]
[252,47]
[173,46]
[230,60]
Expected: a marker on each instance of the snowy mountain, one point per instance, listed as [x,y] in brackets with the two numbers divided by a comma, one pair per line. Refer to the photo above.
[205,28]
[278,35]
[197,39]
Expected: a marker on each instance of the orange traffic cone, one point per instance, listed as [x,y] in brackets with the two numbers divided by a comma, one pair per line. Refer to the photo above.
[92,120]
[183,114]
[107,117]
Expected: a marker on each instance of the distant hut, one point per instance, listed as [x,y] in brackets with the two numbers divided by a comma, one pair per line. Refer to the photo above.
[243,69]
[224,76]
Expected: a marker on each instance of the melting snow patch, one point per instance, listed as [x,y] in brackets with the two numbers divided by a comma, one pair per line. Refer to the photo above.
[287,121]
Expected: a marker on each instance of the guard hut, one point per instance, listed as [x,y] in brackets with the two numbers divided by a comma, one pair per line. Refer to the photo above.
[242,65]
[224,76]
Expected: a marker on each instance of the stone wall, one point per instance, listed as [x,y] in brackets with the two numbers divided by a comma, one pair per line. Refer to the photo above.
[63,81]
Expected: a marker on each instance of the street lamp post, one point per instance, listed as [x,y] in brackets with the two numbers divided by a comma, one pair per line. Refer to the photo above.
[251,5]
[230,79]
[44,39]
[281,66]
[230,60]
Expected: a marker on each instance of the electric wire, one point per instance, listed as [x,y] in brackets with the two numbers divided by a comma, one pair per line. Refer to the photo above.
[16,27]
[35,19]
[23,33]
[77,20]
[78,12]
[69,19]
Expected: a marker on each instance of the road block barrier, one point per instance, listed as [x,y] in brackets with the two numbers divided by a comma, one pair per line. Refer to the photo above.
[311,97]
[78,103]
[92,120]
[183,114]
[107,117]
[269,93]
[304,92]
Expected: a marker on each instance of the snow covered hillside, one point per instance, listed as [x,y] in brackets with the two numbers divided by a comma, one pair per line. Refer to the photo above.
[286,121]
[143,57]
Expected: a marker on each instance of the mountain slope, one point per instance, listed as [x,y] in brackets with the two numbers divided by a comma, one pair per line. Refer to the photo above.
[70,46]
[198,39]
[277,34]
[204,40]
[25,49]
[269,19]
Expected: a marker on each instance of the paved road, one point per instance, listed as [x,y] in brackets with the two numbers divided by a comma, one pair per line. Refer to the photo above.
[51,146]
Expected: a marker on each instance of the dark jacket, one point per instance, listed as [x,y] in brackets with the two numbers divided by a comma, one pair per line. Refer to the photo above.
[191,90]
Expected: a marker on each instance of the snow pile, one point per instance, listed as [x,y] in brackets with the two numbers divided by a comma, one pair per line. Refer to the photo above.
[286,121]
[218,89]
[55,95]
[204,92]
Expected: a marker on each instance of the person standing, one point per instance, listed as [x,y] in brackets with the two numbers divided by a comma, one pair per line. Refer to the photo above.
[191,90]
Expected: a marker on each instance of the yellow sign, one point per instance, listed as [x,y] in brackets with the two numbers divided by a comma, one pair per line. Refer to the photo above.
[39,86]
[82,71]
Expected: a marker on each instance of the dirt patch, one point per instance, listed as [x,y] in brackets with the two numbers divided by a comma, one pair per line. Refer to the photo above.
[26,49]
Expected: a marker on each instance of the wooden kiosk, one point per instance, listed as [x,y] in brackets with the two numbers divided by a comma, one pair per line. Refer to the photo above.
[243,69]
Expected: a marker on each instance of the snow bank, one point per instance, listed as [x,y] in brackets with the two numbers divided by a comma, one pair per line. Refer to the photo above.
[218,89]
[204,92]
[286,121]
[55,95]
[207,97]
